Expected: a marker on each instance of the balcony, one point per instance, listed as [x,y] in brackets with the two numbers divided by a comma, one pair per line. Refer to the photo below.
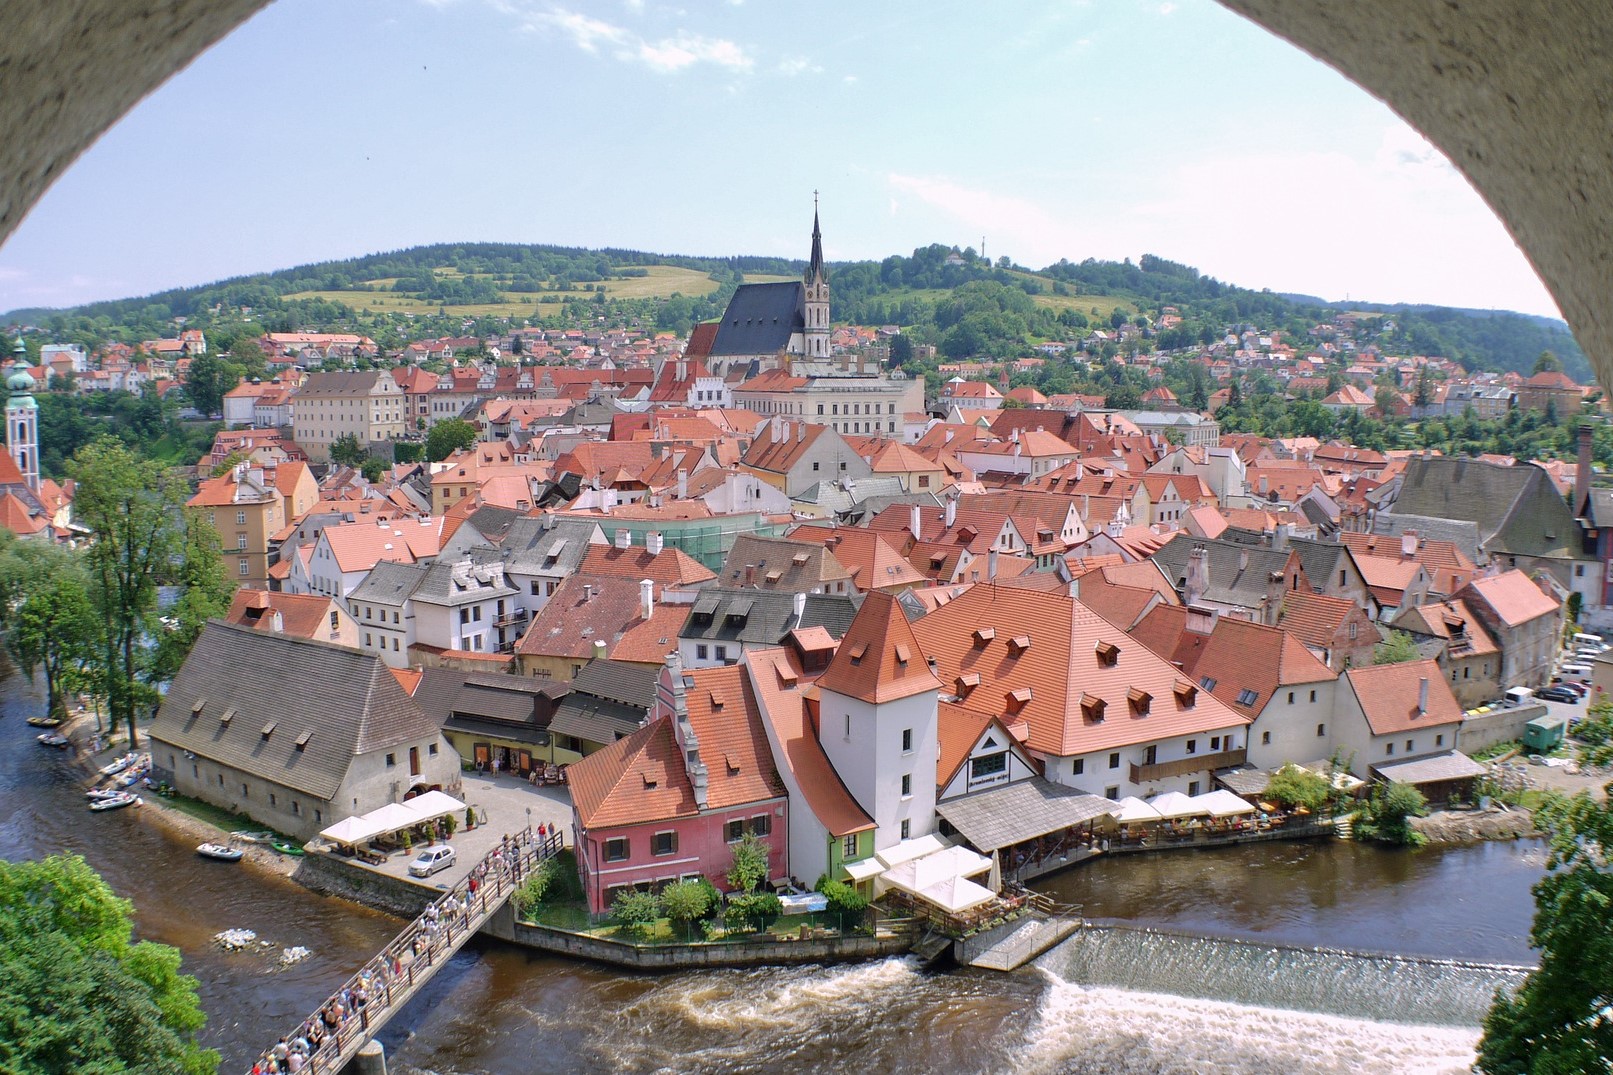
[511,618]
[1195,763]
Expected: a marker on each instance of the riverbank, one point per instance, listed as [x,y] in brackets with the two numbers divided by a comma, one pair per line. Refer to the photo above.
[1467,826]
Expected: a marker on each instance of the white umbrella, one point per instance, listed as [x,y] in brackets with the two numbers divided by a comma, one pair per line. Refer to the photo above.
[1174,804]
[994,880]
[1223,803]
[1133,810]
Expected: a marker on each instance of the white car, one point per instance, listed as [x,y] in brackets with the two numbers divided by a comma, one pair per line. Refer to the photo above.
[431,859]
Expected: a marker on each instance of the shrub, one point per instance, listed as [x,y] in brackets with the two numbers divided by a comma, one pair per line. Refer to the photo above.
[637,912]
[749,867]
[1297,787]
[686,901]
[755,910]
[843,899]
[539,883]
[1388,815]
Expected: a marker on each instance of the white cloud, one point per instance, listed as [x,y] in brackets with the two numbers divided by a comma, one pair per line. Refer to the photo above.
[978,209]
[586,32]
[667,55]
[799,66]
[685,50]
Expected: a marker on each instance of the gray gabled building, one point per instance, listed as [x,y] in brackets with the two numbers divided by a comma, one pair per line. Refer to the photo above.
[723,623]
[292,733]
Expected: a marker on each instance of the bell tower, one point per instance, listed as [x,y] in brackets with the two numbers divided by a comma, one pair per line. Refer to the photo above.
[817,295]
[22,419]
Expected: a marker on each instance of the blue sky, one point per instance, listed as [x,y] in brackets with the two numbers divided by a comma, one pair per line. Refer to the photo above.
[1107,129]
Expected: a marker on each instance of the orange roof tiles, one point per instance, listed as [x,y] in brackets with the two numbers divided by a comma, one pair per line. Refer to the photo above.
[1388,696]
[633,780]
[670,567]
[879,659]
[1513,596]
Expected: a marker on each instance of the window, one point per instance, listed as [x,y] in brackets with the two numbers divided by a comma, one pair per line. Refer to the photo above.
[1389,749]
[1192,787]
[296,807]
[240,541]
[271,798]
[245,794]
[1411,745]
[761,825]
[814,467]
[1353,628]
[1344,577]
[1290,697]
[1439,740]
[1150,754]
[1321,730]
[1114,760]
[1078,766]
[1215,742]
[736,831]
[907,828]
[240,518]
[334,621]
[1265,739]
[907,785]
[848,847]
[1313,696]
[616,850]
[664,843]
[907,740]
[702,651]
[1247,696]
[1112,792]
[243,567]
[432,750]
[391,760]
[1192,746]
[722,653]
[989,765]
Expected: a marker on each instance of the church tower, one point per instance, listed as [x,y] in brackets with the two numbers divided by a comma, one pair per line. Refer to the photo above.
[817,296]
[22,420]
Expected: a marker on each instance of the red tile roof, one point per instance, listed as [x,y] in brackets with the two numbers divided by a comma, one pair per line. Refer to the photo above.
[670,567]
[1513,596]
[1388,696]
[879,659]
[633,780]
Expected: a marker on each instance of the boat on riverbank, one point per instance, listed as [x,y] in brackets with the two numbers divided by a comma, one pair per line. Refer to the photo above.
[221,852]
[45,722]
[116,801]
[53,739]
[252,837]
[287,848]
[117,765]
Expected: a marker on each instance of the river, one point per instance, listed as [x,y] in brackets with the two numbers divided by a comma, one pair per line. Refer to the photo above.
[1111,1002]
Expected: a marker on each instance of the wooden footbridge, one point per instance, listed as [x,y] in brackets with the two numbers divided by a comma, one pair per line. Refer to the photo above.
[357,1011]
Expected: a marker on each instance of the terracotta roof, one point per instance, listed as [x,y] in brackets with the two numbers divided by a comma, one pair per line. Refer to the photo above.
[778,450]
[957,732]
[1388,696]
[17,516]
[360,546]
[649,641]
[777,683]
[633,780]
[584,610]
[1465,633]
[879,659]
[1064,661]
[670,567]
[727,720]
[302,615]
[1236,656]
[1513,597]
[1313,618]
[873,559]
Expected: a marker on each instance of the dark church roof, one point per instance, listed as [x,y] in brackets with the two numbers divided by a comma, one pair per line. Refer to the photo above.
[760,319]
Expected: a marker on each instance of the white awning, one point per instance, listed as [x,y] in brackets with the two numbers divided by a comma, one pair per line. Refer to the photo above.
[917,847]
[351,830]
[1174,804]
[433,804]
[392,817]
[941,878]
[863,869]
[1222,803]
[1133,810]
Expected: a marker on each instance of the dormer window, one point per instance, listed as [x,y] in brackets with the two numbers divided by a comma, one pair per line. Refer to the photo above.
[1246,697]
[1018,699]
[857,651]
[1108,654]
[1092,708]
[225,717]
[1140,702]
[268,729]
[1187,695]
[1019,644]
[984,635]
[903,654]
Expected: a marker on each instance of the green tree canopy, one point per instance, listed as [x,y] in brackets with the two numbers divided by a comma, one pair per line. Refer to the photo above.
[76,993]
[207,380]
[1398,648]
[1559,1021]
[448,437]
[1298,787]
[346,451]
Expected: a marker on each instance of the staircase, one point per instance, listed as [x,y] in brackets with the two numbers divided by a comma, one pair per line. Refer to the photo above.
[1014,944]
[1344,826]
[931,946]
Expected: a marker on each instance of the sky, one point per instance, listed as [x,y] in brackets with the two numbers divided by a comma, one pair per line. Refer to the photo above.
[1042,130]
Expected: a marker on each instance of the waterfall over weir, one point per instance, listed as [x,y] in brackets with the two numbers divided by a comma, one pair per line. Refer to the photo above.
[1401,989]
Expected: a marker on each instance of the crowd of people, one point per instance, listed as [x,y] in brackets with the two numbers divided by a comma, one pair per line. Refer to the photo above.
[454,911]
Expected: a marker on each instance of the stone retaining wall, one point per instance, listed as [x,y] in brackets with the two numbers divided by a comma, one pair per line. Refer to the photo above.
[330,875]
[1497,726]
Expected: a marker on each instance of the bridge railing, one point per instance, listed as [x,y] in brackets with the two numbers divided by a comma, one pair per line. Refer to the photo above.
[363,1004]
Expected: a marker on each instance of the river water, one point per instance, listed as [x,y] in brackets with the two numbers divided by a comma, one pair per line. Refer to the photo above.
[1230,983]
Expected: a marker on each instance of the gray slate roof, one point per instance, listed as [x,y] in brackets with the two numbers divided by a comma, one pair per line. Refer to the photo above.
[1452,765]
[760,319]
[1021,811]
[630,684]
[1517,509]
[388,583]
[339,702]
[440,585]
[1229,585]
[767,615]
[529,544]
[1463,533]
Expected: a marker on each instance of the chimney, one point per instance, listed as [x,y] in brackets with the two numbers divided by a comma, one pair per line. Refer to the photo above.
[1243,560]
[1279,536]
[599,649]
[1014,435]
[1422,696]
[1198,575]
[1408,545]
[646,599]
[624,539]
[951,511]
[946,436]
[991,564]
[607,501]
[916,521]
[750,574]
[653,543]
[277,624]
[800,430]
[1274,598]
[800,607]
[683,485]
[1582,469]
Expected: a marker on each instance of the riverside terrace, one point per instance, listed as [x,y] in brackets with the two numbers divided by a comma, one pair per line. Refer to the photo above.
[358,1010]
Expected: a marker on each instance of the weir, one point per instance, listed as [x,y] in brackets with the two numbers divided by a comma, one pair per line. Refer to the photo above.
[1392,988]
[394,976]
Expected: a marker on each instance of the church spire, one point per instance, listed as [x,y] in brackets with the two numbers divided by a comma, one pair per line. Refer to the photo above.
[814,269]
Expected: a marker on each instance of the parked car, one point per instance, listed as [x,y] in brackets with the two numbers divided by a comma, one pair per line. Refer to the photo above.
[1555,694]
[431,859]
[1575,671]
[1577,686]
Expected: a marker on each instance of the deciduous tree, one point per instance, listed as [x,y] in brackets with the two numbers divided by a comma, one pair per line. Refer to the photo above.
[448,437]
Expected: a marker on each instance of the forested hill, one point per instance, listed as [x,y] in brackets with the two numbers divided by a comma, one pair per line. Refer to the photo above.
[956,299]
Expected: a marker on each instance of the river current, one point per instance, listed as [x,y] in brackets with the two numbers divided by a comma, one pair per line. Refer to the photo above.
[1230,983]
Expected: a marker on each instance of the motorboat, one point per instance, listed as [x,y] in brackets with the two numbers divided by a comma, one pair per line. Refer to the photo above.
[52,739]
[221,852]
[117,765]
[45,722]
[96,795]
[117,800]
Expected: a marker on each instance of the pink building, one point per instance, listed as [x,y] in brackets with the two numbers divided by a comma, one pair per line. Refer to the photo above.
[665,803]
